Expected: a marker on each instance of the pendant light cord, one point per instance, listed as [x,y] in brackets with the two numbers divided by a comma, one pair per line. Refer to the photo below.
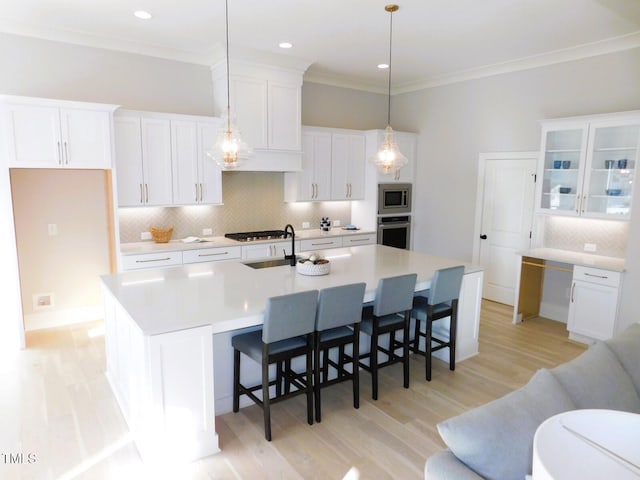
[389,81]
[226,15]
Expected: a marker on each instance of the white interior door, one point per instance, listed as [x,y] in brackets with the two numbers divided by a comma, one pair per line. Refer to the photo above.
[506,200]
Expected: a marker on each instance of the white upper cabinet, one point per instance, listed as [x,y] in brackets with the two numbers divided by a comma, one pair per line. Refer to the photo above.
[57,134]
[587,165]
[196,177]
[347,166]
[266,106]
[143,160]
[333,166]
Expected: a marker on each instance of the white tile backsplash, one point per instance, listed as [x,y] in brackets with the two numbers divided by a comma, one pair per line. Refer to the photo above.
[252,201]
[568,233]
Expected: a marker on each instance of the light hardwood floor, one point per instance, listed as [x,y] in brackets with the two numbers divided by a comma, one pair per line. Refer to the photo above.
[63,411]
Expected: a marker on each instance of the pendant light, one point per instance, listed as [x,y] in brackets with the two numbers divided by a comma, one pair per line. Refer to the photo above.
[388,159]
[229,148]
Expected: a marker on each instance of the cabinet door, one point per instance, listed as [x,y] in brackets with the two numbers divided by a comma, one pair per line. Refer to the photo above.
[36,138]
[562,169]
[86,138]
[284,124]
[608,183]
[209,172]
[128,152]
[592,311]
[347,166]
[184,152]
[249,106]
[314,182]
[156,161]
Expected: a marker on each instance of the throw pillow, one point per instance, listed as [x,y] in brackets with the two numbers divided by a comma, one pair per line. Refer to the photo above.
[496,439]
[626,346]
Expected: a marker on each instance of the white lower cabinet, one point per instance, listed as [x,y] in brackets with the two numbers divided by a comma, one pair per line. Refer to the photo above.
[593,303]
[211,254]
[320,243]
[264,250]
[355,240]
[157,380]
[151,260]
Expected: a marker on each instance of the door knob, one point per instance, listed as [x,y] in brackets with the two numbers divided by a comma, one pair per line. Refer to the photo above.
[483,237]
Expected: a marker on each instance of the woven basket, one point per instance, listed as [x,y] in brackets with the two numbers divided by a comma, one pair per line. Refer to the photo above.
[309,268]
[161,235]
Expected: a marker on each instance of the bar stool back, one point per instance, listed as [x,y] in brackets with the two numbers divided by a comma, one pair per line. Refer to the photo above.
[338,325]
[288,332]
[441,302]
[390,313]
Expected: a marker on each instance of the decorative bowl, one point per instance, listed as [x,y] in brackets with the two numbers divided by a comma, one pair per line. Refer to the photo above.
[614,192]
[307,267]
[565,189]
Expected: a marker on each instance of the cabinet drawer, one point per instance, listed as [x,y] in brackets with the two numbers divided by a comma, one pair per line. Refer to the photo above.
[596,275]
[151,260]
[320,243]
[355,240]
[211,254]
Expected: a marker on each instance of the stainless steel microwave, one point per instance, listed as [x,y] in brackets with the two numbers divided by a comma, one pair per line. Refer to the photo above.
[394,198]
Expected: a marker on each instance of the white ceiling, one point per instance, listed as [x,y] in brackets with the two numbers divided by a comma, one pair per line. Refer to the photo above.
[434,41]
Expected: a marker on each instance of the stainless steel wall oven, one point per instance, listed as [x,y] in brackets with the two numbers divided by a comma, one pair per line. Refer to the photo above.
[395,231]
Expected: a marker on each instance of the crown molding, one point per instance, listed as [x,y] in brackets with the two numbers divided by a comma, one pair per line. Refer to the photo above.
[603,47]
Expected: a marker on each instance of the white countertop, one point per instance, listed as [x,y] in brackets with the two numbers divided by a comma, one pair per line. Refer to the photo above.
[212,242]
[576,258]
[230,295]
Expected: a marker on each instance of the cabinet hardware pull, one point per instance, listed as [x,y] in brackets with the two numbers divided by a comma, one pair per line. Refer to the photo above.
[141,195]
[573,289]
[584,203]
[59,153]
[353,240]
[596,276]
[146,192]
[196,192]
[212,254]
[322,243]
[201,192]
[66,153]
[154,260]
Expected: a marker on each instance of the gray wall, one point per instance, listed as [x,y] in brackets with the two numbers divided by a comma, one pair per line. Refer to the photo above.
[41,68]
[501,113]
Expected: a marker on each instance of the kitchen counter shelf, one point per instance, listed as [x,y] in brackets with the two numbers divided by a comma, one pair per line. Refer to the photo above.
[576,258]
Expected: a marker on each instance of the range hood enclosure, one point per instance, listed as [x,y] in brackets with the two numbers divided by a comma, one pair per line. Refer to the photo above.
[266,105]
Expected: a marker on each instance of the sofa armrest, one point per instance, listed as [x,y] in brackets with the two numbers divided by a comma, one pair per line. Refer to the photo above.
[444,465]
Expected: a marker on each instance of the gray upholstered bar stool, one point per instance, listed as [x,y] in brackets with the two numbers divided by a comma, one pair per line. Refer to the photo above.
[441,302]
[390,313]
[288,332]
[337,326]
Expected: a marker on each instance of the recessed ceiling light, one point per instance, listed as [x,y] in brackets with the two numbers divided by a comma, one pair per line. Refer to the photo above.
[382,66]
[142,15]
[285,45]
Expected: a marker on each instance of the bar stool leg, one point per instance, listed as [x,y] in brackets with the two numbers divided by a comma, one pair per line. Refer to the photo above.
[236,380]
[428,349]
[355,367]
[310,342]
[452,335]
[265,398]
[373,364]
[316,379]
[405,348]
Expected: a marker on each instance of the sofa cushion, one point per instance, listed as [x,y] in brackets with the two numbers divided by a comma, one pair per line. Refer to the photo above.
[626,346]
[496,440]
[596,379]
[445,464]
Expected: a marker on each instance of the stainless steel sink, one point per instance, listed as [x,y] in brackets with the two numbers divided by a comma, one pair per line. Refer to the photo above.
[268,263]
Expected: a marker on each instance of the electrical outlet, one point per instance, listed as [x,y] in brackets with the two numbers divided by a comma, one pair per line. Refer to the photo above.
[589,247]
[207,231]
[52,229]
[145,236]
[305,224]
[42,301]
[336,223]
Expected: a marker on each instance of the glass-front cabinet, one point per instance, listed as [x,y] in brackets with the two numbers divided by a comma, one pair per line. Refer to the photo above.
[588,165]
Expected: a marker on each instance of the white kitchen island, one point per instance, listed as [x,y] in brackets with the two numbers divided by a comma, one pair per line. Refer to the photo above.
[168,335]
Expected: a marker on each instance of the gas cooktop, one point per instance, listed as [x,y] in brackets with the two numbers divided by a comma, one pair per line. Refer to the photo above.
[258,235]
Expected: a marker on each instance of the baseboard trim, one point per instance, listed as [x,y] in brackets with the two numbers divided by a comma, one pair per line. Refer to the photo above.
[62,317]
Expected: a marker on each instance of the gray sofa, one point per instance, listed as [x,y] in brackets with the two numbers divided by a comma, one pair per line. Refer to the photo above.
[495,441]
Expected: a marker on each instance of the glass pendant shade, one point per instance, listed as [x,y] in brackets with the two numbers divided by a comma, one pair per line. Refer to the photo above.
[229,148]
[388,158]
